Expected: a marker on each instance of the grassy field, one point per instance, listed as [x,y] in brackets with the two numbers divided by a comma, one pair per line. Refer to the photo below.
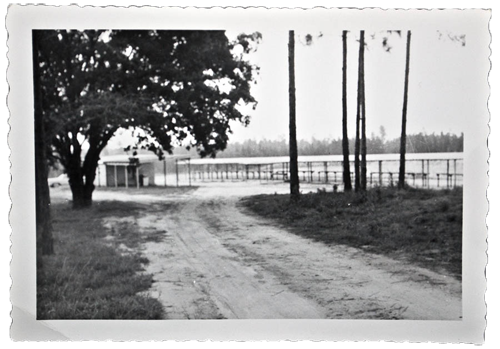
[420,226]
[90,276]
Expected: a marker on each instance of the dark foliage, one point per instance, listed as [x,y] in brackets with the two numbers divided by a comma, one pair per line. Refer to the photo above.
[172,85]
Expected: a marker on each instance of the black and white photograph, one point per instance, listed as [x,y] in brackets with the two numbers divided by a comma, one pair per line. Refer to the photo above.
[193,167]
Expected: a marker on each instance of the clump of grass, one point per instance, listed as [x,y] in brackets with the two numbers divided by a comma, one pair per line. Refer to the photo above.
[423,226]
[88,277]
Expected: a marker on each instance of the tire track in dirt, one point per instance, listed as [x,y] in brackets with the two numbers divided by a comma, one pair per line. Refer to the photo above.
[348,283]
[196,277]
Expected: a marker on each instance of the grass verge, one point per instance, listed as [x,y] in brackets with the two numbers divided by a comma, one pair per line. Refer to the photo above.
[421,226]
[89,277]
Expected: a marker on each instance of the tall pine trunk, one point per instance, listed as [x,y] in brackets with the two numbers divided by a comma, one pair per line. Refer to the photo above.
[294,168]
[363,112]
[345,138]
[401,183]
[357,143]
[44,239]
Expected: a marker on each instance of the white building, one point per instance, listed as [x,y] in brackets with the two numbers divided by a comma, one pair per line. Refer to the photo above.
[127,171]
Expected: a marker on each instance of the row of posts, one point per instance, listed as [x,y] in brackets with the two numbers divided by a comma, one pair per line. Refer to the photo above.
[281,171]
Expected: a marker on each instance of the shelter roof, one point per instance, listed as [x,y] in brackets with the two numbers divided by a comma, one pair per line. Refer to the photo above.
[327,158]
[124,159]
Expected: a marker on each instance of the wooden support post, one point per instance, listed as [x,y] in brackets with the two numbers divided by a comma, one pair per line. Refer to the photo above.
[137,177]
[447,173]
[258,169]
[423,176]
[126,177]
[454,173]
[227,171]
[428,174]
[189,171]
[325,165]
[380,173]
[176,172]
[116,178]
[165,172]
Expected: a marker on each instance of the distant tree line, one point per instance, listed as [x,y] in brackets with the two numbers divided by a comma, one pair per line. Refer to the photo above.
[416,143]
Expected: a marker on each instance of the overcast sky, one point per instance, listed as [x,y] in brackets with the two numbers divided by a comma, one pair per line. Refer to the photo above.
[438,93]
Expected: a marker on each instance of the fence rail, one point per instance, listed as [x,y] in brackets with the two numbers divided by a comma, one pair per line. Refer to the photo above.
[432,173]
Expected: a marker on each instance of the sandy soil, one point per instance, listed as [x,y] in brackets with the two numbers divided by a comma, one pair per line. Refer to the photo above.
[218,261]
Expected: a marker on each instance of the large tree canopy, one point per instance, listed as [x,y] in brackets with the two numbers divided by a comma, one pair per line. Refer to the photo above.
[174,85]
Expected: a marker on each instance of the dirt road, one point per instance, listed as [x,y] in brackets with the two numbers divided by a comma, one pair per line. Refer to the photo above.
[218,261]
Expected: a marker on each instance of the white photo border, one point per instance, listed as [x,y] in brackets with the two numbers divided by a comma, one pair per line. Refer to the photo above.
[21,20]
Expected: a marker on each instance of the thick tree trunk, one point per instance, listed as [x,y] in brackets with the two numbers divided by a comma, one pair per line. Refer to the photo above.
[82,186]
[401,182]
[294,168]
[363,112]
[44,239]
[345,138]
[82,175]
[43,216]
[82,196]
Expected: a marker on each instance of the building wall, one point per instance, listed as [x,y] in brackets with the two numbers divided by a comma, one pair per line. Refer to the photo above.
[119,181]
[145,170]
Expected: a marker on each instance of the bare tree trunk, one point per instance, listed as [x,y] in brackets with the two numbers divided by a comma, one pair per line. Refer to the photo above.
[345,138]
[44,239]
[294,169]
[401,183]
[357,175]
[363,111]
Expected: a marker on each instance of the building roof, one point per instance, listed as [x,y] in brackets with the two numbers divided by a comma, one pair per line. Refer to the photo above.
[327,158]
[124,159]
